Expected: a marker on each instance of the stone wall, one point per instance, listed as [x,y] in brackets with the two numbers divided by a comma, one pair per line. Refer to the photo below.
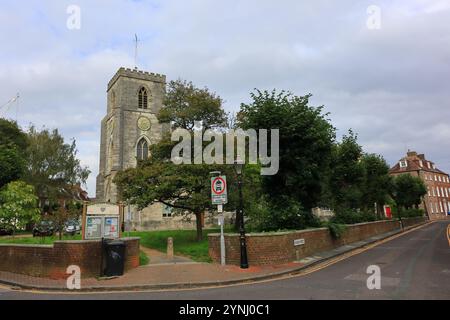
[278,247]
[51,261]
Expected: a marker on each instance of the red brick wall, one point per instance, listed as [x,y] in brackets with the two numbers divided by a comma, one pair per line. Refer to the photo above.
[278,247]
[52,260]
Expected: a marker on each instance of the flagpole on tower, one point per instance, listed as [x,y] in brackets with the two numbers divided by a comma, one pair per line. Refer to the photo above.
[136,40]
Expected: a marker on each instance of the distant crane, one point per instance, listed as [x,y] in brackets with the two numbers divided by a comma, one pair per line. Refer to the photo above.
[5,107]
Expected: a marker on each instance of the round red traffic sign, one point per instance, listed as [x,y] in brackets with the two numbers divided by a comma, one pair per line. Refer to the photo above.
[218,186]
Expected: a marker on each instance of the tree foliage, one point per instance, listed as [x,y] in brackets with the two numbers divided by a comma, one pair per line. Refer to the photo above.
[185,104]
[305,139]
[52,165]
[347,173]
[13,144]
[408,191]
[18,206]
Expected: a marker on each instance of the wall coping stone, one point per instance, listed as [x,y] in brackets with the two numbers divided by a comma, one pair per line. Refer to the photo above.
[280,233]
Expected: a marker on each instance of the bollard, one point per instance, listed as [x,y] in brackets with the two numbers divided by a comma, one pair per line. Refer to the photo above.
[170,248]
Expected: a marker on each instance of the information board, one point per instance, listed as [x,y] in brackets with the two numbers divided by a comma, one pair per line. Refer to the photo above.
[101,220]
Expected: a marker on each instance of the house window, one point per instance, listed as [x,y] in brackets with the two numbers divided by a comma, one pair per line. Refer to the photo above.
[440,205]
[429,165]
[420,163]
[143,101]
[142,149]
[438,193]
[432,208]
[167,211]
[403,164]
[435,177]
[439,178]
[434,192]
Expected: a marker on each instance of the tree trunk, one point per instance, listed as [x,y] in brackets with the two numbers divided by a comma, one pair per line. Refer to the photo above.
[198,217]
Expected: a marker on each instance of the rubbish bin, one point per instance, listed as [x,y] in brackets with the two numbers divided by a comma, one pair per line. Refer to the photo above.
[114,258]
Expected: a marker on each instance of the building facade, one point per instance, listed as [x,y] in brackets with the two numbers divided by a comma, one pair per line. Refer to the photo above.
[436,202]
[130,126]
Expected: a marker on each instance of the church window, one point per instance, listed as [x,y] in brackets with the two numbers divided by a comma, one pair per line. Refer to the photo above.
[142,149]
[167,211]
[143,98]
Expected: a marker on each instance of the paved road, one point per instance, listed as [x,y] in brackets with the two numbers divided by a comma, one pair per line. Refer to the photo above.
[415,265]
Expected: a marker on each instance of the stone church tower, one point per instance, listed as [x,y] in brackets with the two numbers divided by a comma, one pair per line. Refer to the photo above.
[130,125]
[128,129]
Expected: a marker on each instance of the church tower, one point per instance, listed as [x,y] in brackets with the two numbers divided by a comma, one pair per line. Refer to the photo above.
[130,125]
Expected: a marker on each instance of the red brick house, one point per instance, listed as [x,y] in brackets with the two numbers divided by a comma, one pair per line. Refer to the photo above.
[436,202]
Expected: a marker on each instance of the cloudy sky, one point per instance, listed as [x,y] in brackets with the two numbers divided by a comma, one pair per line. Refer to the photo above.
[389,84]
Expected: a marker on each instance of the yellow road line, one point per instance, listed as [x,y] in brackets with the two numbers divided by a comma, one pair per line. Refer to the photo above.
[294,274]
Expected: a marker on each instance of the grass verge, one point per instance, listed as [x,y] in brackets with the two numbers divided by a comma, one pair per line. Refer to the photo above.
[184,241]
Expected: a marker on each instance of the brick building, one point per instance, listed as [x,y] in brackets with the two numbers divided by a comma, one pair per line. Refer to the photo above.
[436,202]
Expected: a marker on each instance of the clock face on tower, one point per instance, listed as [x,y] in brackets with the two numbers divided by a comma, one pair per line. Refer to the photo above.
[143,123]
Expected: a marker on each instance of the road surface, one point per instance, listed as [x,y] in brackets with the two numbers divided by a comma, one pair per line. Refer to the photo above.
[415,265]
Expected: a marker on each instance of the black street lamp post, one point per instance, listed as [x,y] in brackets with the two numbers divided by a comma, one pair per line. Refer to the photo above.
[239,164]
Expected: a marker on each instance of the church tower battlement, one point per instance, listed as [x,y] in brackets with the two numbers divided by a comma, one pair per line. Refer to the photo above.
[134,98]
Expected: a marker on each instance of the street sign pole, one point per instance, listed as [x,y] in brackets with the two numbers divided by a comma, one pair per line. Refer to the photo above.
[222,241]
[219,197]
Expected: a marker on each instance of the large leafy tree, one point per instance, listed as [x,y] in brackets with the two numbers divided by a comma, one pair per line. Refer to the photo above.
[347,174]
[305,140]
[52,165]
[13,145]
[18,206]
[408,191]
[185,187]
[378,184]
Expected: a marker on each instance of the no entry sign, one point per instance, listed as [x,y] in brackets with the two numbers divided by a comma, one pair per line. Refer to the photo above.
[219,190]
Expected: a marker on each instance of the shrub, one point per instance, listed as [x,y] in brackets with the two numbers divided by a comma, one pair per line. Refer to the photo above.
[411,213]
[336,229]
[350,216]
[285,215]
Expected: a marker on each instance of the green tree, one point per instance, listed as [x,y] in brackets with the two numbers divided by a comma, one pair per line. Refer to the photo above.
[378,184]
[347,174]
[13,144]
[408,191]
[18,206]
[52,166]
[305,140]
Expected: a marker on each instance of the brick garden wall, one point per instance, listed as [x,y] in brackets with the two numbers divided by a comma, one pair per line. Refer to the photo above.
[278,247]
[51,261]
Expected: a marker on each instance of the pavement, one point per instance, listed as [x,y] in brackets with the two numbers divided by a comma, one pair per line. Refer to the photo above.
[183,273]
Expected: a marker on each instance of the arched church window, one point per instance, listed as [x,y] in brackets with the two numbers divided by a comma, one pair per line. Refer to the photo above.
[143,98]
[142,149]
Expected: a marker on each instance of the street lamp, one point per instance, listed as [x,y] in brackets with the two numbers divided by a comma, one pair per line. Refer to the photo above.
[238,166]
